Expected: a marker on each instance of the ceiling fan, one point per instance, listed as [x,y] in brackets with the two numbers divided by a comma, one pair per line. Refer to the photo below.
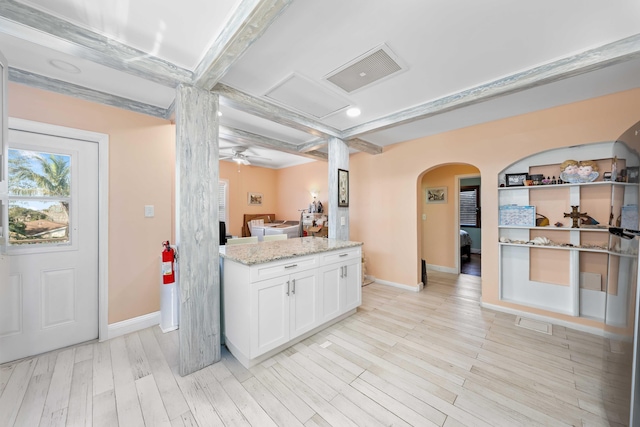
[238,155]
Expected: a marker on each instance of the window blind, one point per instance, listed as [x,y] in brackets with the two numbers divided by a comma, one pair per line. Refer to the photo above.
[469,207]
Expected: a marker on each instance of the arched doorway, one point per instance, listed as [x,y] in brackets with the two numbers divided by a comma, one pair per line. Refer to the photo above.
[439,217]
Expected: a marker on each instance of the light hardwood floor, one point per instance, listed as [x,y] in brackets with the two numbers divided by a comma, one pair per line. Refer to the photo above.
[433,358]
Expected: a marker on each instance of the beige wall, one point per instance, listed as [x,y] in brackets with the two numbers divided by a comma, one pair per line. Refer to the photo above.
[386,189]
[141,172]
[391,230]
[295,185]
[439,235]
[245,179]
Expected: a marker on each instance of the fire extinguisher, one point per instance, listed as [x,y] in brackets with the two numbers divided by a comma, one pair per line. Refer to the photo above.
[168,264]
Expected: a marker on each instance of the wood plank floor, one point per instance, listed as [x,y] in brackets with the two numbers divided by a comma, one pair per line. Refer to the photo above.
[433,358]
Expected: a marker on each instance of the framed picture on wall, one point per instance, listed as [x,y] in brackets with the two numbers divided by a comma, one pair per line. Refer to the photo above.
[255,199]
[343,188]
[436,195]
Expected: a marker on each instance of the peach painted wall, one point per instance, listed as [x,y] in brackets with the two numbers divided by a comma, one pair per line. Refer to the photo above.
[247,179]
[391,181]
[295,185]
[439,234]
[141,172]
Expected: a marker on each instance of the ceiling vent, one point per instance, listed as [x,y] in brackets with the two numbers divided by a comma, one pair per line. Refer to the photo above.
[307,97]
[371,67]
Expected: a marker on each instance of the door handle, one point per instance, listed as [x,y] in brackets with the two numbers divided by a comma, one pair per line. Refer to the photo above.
[293,291]
[287,288]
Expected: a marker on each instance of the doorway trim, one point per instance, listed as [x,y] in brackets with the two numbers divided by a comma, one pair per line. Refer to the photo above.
[456,229]
[103,203]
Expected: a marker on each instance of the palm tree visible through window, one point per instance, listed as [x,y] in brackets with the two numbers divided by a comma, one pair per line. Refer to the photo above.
[39,197]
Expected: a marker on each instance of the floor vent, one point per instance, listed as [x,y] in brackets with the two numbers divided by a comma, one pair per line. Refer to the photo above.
[371,67]
[534,325]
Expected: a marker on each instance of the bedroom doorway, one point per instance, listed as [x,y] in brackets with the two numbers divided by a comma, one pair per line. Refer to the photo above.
[470,224]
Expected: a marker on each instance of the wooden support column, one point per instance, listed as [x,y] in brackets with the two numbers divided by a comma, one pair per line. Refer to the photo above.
[197,227]
[338,159]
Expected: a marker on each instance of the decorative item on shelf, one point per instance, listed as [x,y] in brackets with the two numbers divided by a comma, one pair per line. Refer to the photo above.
[622,176]
[606,176]
[528,182]
[543,221]
[574,172]
[515,179]
[588,220]
[540,240]
[614,169]
[558,224]
[632,174]
[575,216]
[517,216]
[537,179]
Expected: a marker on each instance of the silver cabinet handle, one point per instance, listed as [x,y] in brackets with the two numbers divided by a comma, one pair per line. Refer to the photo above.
[287,288]
[293,291]
[345,271]
[343,255]
[291,266]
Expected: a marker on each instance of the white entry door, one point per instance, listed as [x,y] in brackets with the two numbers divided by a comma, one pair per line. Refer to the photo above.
[51,298]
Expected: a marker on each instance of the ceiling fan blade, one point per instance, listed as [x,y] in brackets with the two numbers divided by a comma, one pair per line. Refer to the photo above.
[225,157]
[246,162]
[259,158]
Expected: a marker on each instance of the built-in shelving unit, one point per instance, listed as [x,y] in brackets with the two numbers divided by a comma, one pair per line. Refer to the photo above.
[584,272]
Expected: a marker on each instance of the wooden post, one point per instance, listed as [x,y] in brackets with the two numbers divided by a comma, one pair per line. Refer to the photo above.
[197,227]
[338,159]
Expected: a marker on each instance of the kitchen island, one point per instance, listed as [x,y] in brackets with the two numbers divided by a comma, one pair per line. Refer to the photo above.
[279,292]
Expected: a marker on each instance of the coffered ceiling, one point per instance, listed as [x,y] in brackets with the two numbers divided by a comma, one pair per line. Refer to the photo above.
[288,71]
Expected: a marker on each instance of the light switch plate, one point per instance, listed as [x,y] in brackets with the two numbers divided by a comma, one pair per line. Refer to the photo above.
[343,221]
[149,211]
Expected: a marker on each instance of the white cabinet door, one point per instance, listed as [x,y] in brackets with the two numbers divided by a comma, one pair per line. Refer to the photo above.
[303,298]
[352,285]
[330,292]
[269,314]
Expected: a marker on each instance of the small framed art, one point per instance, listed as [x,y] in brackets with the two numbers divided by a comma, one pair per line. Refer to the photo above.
[343,188]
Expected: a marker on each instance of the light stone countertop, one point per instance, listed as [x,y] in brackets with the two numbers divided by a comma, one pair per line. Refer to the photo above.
[263,252]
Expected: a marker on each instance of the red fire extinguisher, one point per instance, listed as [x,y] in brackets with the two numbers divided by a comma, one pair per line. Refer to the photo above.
[168,264]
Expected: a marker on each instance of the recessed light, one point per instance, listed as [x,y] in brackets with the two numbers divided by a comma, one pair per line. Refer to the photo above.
[219,113]
[353,112]
[64,66]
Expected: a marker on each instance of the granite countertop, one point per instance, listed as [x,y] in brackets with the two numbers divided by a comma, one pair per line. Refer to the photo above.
[262,252]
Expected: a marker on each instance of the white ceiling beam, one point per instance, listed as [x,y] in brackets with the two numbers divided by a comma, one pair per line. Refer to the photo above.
[364,146]
[620,51]
[238,100]
[69,89]
[316,144]
[251,139]
[80,42]
[248,22]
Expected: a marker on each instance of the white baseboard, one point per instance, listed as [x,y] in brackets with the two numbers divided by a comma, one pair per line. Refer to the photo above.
[441,268]
[583,328]
[132,325]
[416,288]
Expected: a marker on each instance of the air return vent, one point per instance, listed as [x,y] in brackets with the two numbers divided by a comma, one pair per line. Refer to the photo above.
[366,69]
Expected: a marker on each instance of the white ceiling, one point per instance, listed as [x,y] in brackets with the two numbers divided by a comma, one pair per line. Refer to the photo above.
[465,62]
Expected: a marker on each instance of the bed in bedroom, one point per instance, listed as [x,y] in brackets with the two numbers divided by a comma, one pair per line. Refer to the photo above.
[465,244]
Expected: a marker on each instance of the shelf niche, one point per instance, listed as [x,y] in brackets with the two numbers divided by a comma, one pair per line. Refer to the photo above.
[593,274]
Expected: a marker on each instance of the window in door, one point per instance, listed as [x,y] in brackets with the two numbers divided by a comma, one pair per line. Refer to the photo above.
[39,197]
[470,206]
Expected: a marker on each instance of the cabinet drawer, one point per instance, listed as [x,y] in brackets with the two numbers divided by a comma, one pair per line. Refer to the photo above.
[340,256]
[280,268]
